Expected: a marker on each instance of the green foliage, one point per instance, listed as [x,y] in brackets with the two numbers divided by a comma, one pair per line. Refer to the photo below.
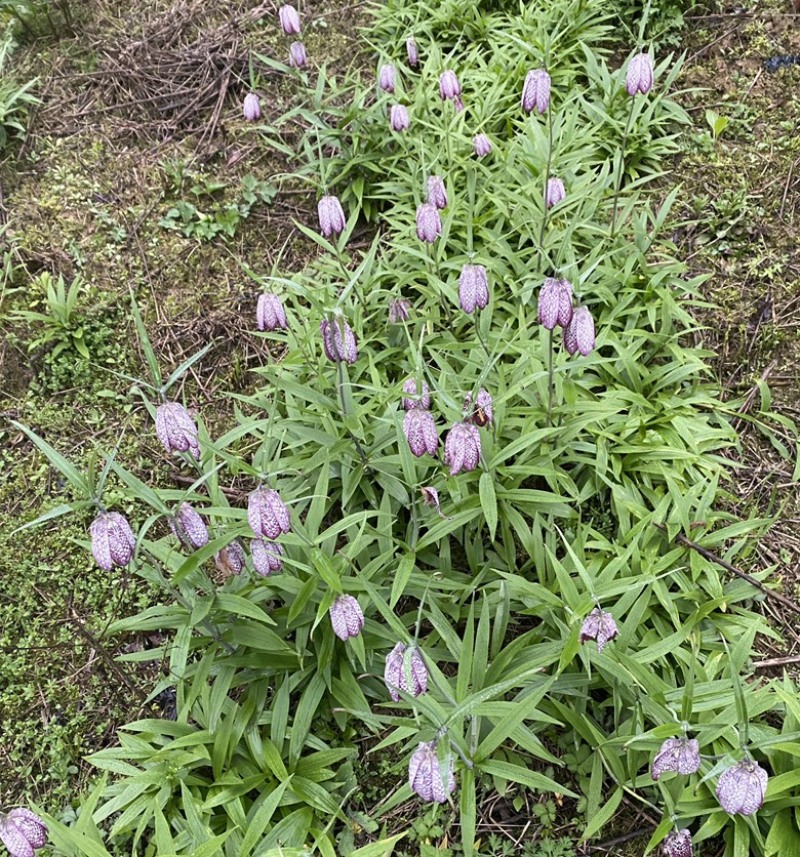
[33,19]
[15,98]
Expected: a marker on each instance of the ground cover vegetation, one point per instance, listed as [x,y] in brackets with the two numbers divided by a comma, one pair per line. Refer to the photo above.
[468,539]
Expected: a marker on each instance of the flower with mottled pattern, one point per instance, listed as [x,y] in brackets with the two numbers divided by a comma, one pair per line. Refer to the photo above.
[113,541]
[639,78]
[462,448]
[681,755]
[406,671]
[189,527]
[473,288]
[331,216]
[418,395]
[536,91]
[430,497]
[555,191]
[741,788]
[425,774]
[399,310]
[176,429]
[386,78]
[555,303]
[267,556]
[412,52]
[290,20]
[599,626]
[419,428]
[677,844]
[347,617]
[398,118]
[449,87]
[297,55]
[429,224]
[22,832]
[338,341]
[437,193]
[481,145]
[481,412]
[270,314]
[251,108]
[231,559]
[267,514]
[579,334]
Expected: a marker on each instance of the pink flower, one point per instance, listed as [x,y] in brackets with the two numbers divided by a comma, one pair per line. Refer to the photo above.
[386,78]
[481,145]
[267,556]
[290,20]
[462,448]
[481,413]
[555,191]
[412,52]
[555,303]
[176,429]
[189,527]
[398,118]
[677,844]
[267,514]
[681,755]
[230,559]
[297,55]
[430,497]
[640,74]
[113,541]
[449,87]
[22,832]
[418,395]
[399,310]
[599,626]
[406,671]
[473,288]
[420,431]
[427,777]
[579,334]
[331,216]
[339,341]
[429,224]
[741,788]
[536,91]
[270,314]
[251,108]
[437,193]
[347,617]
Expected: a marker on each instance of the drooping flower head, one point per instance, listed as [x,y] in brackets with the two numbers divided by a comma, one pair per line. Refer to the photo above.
[430,497]
[482,411]
[297,55]
[386,78]
[230,559]
[338,341]
[412,52]
[267,556]
[462,448]
[347,617]
[437,192]
[426,777]
[290,20]
[251,107]
[189,527]
[418,395]
[579,334]
[398,118]
[677,844]
[681,755]
[405,670]
[270,314]
[176,429]
[741,788]
[113,541]
[473,288]
[331,216]
[267,514]
[399,310]
[429,224]
[555,303]
[599,626]
[481,145]
[420,431]
[555,191]
[22,832]
[640,74]
[449,87]
[536,91]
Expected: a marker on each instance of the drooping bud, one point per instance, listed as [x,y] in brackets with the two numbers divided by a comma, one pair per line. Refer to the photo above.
[741,788]
[536,91]
[420,431]
[481,145]
[458,104]
[412,52]
[297,55]
[462,448]
[176,429]
[555,303]
[267,556]
[419,395]
[339,341]
[599,626]
[430,497]
[426,777]
[267,514]
[347,617]
[437,193]
[677,844]
[555,191]
[429,224]
[481,413]
[398,118]
[473,288]
[231,559]
[113,541]
[449,87]
[386,78]
[399,310]
[579,334]
[270,313]
[290,20]
[251,108]
[681,755]
[331,216]
[405,670]
[22,832]
[189,527]
[640,74]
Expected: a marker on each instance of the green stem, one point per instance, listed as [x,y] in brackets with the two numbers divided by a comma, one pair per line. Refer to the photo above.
[621,169]
[550,379]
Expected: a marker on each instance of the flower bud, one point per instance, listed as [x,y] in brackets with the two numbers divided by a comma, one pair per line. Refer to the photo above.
[536,91]
[398,118]
[741,788]
[113,541]
[640,74]
[481,145]
[420,395]
[677,844]
[339,341]
[462,448]
[230,559]
[297,55]
[426,777]
[458,104]
[399,310]
[420,431]
[347,617]
[599,626]
[437,193]
[481,413]
[270,314]
[405,670]
[555,303]
[189,527]
[413,53]
[429,224]
[430,497]
[290,20]
[579,334]
[386,78]
[681,755]
[331,216]
[267,556]
[176,429]
[267,514]
[251,108]
[449,87]
[473,288]
[22,831]
[555,191]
